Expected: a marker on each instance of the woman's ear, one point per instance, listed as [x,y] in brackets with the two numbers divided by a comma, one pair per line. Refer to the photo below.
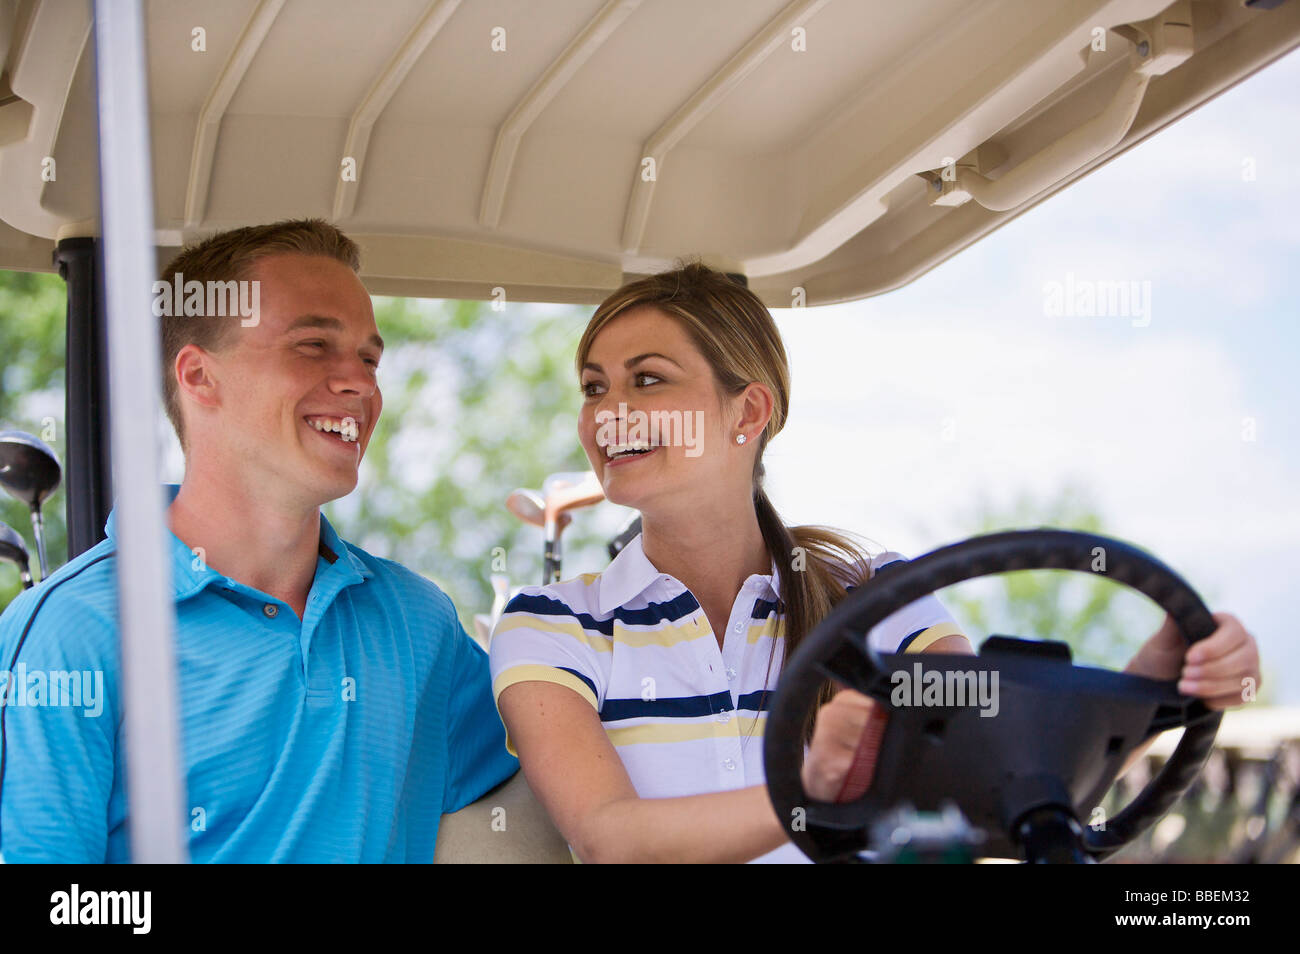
[755,404]
[195,376]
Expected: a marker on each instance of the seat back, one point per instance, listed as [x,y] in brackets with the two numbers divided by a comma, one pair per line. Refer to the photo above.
[508,825]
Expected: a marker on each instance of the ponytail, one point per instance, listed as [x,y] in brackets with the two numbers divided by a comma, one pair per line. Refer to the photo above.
[809,587]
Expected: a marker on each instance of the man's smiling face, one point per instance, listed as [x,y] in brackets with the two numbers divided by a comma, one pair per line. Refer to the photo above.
[297,394]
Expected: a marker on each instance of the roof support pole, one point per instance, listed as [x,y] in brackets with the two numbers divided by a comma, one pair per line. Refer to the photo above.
[146,611]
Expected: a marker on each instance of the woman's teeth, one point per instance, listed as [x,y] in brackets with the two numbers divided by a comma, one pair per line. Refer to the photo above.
[623,450]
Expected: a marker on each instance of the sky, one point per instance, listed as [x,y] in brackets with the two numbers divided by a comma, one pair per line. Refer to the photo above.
[1178,421]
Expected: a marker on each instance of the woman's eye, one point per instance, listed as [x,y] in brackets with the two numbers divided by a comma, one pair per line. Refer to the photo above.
[654,378]
[589,389]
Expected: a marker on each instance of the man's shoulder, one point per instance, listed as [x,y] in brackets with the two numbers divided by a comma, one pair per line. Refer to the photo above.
[77,602]
[415,591]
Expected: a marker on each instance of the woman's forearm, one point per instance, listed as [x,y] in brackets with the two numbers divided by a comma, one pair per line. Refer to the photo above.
[721,827]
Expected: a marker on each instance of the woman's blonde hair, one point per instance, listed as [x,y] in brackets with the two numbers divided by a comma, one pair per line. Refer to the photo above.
[735,333]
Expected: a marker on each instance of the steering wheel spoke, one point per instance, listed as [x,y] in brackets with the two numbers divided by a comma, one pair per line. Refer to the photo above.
[850,663]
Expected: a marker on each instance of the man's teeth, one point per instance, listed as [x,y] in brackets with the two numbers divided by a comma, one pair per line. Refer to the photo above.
[346,428]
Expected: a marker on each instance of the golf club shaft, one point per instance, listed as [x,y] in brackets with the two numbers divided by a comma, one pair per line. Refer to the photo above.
[38,527]
[551,552]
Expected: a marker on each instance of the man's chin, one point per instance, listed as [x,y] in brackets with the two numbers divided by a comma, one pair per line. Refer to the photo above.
[324,483]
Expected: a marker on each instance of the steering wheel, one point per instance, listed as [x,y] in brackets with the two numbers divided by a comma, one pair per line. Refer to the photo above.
[1058,736]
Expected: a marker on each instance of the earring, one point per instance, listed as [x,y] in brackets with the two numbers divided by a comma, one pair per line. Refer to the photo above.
[740,438]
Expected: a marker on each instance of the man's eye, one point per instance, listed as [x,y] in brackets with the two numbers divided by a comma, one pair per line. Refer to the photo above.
[311,344]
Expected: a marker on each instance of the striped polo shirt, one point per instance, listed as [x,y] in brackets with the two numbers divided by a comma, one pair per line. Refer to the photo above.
[685,716]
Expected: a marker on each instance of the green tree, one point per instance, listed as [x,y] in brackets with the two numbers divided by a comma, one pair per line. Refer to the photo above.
[32,310]
[1103,622]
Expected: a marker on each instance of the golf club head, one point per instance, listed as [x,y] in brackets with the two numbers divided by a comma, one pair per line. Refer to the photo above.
[528,506]
[13,549]
[29,469]
[569,491]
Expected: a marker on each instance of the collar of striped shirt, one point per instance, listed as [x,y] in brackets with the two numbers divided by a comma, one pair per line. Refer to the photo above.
[631,572]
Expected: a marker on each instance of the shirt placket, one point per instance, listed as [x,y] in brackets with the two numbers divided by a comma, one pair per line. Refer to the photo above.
[723,665]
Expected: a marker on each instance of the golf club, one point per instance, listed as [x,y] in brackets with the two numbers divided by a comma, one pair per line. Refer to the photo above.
[30,472]
[561,493]
[550,509]
[13,549]
[484,623]
[501,593]
[625,536]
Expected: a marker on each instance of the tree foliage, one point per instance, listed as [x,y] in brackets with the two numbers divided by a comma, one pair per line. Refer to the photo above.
[1102,621]
[32,328]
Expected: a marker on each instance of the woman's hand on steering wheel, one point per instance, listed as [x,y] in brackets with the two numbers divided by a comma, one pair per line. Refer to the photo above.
[836,736]
[1222,669]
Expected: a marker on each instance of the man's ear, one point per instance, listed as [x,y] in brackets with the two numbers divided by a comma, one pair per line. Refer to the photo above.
[196,377]
[756,406]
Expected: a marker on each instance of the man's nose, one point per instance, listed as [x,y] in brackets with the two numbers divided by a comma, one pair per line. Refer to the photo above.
[353,376]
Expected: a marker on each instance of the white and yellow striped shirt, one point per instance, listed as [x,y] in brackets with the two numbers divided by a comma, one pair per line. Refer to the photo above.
[685,715]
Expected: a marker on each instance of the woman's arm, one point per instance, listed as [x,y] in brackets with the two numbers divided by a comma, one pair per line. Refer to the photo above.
[578,776]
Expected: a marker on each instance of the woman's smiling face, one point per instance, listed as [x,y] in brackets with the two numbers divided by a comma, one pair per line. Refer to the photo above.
[646,383]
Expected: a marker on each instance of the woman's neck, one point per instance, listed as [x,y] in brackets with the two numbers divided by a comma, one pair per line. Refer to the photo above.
[711,549]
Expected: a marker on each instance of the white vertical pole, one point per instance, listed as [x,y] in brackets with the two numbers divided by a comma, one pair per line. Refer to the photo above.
[146,612]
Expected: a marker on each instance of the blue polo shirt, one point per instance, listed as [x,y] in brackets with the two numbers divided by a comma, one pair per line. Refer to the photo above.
[341,737]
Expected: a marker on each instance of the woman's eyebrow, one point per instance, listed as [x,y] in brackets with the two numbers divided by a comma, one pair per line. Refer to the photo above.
[649,354]
[591,365]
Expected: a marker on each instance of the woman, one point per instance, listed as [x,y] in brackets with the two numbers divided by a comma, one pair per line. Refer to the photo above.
[635,698]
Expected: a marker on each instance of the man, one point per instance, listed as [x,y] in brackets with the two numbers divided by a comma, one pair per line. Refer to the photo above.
[331,706]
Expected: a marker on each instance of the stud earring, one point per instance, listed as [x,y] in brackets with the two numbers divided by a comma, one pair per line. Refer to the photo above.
[740,438]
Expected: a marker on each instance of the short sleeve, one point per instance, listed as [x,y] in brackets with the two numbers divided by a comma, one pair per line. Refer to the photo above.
[540,638]
[478,760]
[58,731]
[915,627]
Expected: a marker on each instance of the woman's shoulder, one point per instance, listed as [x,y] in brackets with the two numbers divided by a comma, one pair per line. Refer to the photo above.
[854,572]
[575,596]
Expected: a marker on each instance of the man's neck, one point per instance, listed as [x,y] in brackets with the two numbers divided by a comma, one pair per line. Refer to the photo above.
[262,543]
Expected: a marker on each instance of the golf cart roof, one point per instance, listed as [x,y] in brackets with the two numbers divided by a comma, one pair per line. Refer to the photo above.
[554,149]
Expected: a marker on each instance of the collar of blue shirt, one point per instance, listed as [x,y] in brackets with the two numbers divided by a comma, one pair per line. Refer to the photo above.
[337,567]
[630,573]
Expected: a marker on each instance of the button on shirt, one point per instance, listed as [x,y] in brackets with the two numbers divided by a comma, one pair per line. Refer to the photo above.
[685,715]
[340,737]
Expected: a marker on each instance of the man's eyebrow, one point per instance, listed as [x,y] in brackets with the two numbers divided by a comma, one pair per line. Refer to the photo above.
[329,323]
[631,361]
